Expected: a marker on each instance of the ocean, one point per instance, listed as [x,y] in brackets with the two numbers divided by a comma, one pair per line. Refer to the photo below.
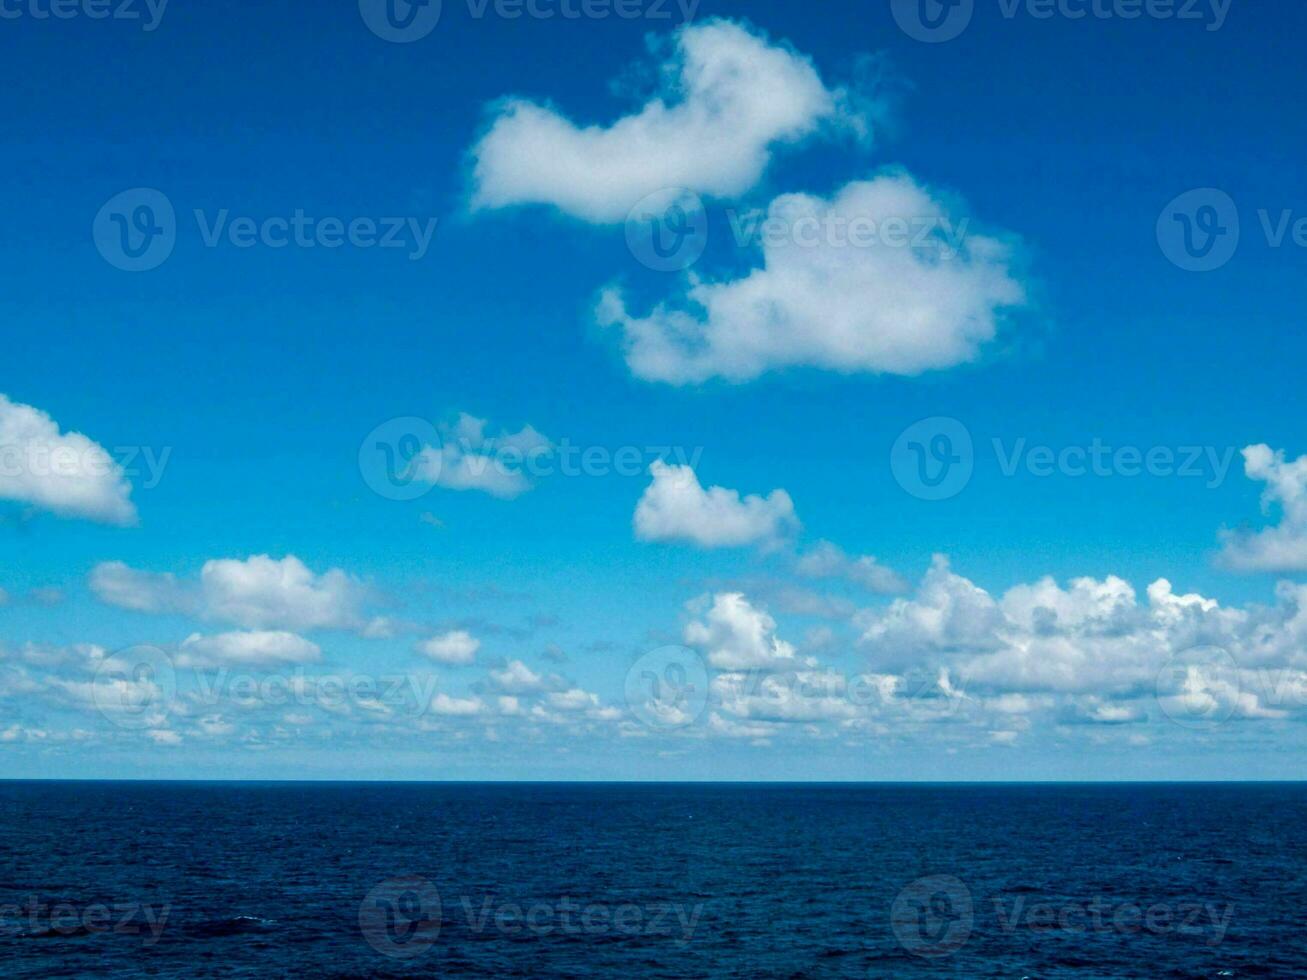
[194,880]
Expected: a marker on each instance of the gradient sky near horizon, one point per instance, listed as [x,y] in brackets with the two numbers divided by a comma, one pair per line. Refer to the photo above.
[899,391]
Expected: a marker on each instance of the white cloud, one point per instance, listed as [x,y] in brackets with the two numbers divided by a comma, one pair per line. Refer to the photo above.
[379,628]
[117,584]
[947,613]
[675,507]
[1282,548]
[1044,607]
[64,473]
[759,731]
[802,696]
[849,300]
[827,560]
[727,98]
[215,726]
[469,459]
[259,648]
[17,733]
[259,592]
[262,592]
[735,636]
[517,678]
[1096,644]
[457,647]
[451,707]
[574,699]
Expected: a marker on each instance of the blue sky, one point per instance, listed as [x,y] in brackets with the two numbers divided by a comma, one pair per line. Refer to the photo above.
[252,377]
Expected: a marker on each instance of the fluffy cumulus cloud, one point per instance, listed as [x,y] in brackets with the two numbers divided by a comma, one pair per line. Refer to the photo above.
[448,706]
[116,583]
[1282,548]
[517,678]
[259,592]
[457,648]
[255,648]
[881,279]
[676,507]
[727,98]
[470,458]
[262,592]
[955,662]
[84,693]
[1097,649]
[826,560]
[64,473]
[733,635]
[800,696]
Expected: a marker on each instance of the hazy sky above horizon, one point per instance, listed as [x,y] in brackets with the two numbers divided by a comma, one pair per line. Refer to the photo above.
[894,391]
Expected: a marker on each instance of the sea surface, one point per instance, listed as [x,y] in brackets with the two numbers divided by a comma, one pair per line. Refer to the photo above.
[194,880]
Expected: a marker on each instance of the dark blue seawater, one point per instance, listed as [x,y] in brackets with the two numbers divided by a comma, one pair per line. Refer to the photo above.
[495,880]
